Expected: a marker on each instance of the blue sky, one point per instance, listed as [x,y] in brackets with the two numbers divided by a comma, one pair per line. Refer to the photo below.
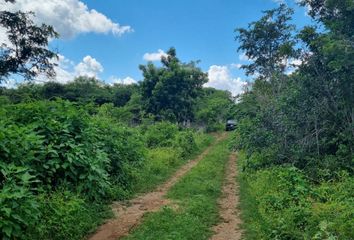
[114,35]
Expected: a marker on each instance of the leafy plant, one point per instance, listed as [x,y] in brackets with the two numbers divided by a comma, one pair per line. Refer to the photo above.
[18,207]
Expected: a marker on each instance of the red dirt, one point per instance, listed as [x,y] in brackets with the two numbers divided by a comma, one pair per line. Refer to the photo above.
[129,215]
[228,228]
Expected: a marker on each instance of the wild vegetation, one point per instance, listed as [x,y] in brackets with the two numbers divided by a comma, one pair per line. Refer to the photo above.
[295,129]
[68,150]
[63,160]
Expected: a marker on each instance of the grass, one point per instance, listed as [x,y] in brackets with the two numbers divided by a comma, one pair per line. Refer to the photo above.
[162,162]
[197,194]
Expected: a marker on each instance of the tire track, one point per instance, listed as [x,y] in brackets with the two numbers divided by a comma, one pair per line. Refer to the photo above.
[228,228]
[129,215]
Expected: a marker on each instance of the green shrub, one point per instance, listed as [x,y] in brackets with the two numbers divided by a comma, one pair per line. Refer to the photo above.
[18,144]
[185,142]
[64,215]
[120,114]
[125,149]
[161,134]
[202,140]
[18,207]
[333,209]
[70,153]
[280,203]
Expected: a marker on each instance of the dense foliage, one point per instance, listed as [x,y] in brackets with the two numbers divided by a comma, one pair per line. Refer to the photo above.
[295,126]
[59,151]
[169,92]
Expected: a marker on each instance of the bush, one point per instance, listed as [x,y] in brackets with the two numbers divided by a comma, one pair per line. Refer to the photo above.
[18,207]
[333,209]
[185,142]
[161,134]
[19,144]
[64,215]
[281,194]
[280,203]
[70,153]
[125,149]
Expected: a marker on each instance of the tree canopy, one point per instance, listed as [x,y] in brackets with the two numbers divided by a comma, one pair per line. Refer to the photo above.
[170,91]
[27,52]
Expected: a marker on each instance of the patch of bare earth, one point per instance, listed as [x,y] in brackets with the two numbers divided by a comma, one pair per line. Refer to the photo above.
[129,215]
[228,228]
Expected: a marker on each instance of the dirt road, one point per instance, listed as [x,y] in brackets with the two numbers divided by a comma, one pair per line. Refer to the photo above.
[228,228]
[129,215]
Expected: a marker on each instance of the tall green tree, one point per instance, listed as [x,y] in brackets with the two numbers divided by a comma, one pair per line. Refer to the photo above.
[269,43]
[170,91]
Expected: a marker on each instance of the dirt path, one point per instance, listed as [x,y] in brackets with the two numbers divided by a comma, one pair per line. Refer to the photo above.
[229,227]
[129,215]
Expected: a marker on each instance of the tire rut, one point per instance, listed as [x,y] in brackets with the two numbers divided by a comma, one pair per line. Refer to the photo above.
[129,215]
[229,228]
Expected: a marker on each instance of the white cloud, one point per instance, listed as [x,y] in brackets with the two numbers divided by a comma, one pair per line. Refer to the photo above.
[67,71]
[68,17]
[89,67]
[220,78]
[154,56]
[63,70]
[9,83]
[125,81]
[236,65]
[293,65]
[3,37]
[243,57]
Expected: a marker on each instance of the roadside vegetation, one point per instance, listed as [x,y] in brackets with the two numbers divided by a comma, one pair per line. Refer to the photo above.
[194,207]
[64,161]
[295,130]
[68,150]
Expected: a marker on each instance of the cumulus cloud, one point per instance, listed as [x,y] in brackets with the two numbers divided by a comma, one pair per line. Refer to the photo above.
[220,78]
[125,81]
[236,65]
[89,67]
[67,71]
[68,17]
[63,70]
[156,56]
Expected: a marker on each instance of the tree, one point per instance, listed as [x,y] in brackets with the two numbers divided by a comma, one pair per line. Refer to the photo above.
[26,54]
[123,93]
[87,89]
[169,92]
[213,108]
[305,118]
[268,43]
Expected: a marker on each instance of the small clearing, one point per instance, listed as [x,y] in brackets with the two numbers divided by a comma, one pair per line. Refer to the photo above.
[228,228]
[130,214]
